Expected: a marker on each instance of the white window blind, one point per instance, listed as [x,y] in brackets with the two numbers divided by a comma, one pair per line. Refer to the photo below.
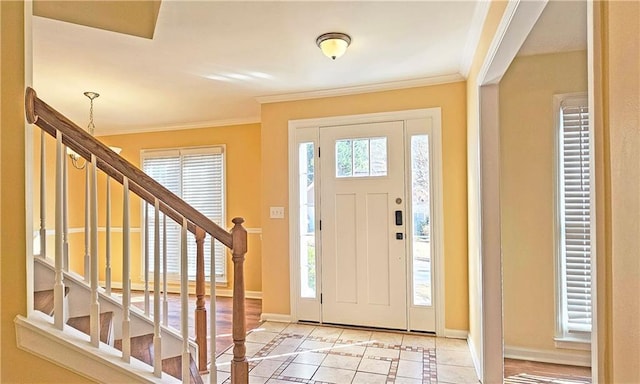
[575,207]
[197,176]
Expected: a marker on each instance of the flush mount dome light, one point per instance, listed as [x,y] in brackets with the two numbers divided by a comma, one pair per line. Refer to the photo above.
[333,44]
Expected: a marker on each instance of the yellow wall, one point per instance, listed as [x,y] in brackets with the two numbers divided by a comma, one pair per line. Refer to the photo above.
[76,201]
[527,194]
[275,246]
[618,64]
[242,176]
[17,366]
[243,195]
[491,23]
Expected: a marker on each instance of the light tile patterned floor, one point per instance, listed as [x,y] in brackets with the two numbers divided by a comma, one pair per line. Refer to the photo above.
[299,353]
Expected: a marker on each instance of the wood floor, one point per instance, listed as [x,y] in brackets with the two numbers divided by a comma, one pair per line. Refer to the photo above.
[513,367]
[253,309]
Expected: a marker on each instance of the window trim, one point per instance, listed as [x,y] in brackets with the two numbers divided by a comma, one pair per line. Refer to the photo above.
[185,151]
[564,338]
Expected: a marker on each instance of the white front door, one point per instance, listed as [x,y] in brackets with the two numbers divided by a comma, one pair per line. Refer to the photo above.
[364,266]
[352,262]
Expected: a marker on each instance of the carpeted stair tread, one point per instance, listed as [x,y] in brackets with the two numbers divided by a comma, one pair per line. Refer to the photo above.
[43,300]
[83,324]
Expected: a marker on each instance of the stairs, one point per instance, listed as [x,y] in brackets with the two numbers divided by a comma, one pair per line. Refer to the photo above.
[43,300]
[83,324]
[173,366]
[141,346]
[67,346]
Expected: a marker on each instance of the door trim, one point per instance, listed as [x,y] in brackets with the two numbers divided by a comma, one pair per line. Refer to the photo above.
[516,23]
[438,212]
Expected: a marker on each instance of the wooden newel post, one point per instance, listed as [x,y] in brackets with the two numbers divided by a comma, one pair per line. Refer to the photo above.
[239,364]
[201,311]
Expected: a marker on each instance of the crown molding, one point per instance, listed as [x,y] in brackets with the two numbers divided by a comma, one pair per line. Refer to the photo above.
[517,22]
[380,87]
[473,36]
[178,127]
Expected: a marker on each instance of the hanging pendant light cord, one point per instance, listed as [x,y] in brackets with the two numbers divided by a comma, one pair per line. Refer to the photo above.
[91,127]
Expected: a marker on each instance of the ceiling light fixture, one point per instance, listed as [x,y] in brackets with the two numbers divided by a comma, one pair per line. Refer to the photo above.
[91,129]
[333,44]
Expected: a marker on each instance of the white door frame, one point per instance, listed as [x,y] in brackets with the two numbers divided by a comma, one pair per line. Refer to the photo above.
[516,24]
[438,228]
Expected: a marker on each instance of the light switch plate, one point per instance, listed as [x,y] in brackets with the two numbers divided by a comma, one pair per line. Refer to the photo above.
[276,212]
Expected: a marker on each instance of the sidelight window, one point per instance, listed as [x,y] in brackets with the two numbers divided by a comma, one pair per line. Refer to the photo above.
[306,174]
[421,220]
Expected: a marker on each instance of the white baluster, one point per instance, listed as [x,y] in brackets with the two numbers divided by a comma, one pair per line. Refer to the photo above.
[87,229]
[146,258]
[165,309]
[43,196]
[213,370]
[126,272]
[95,305]
[107,272]
[157,338]
[58,287]
[65,210]
[184,302]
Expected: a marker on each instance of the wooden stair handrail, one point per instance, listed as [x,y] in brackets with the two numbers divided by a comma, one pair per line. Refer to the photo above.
[44,116]
[49,120]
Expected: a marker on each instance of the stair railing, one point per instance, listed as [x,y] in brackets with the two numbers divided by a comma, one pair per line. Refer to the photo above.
[99,156]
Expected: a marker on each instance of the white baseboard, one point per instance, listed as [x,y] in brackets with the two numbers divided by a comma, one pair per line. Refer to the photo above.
[247,294]
[474,356]
[118,285]
[456,333]
[579,358]
[277,317]
[219,292]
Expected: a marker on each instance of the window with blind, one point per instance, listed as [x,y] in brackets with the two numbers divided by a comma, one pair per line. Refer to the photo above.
[197,176]
[574,210]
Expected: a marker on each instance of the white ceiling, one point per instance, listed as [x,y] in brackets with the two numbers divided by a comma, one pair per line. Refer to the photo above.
[209,62]
[562,27]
